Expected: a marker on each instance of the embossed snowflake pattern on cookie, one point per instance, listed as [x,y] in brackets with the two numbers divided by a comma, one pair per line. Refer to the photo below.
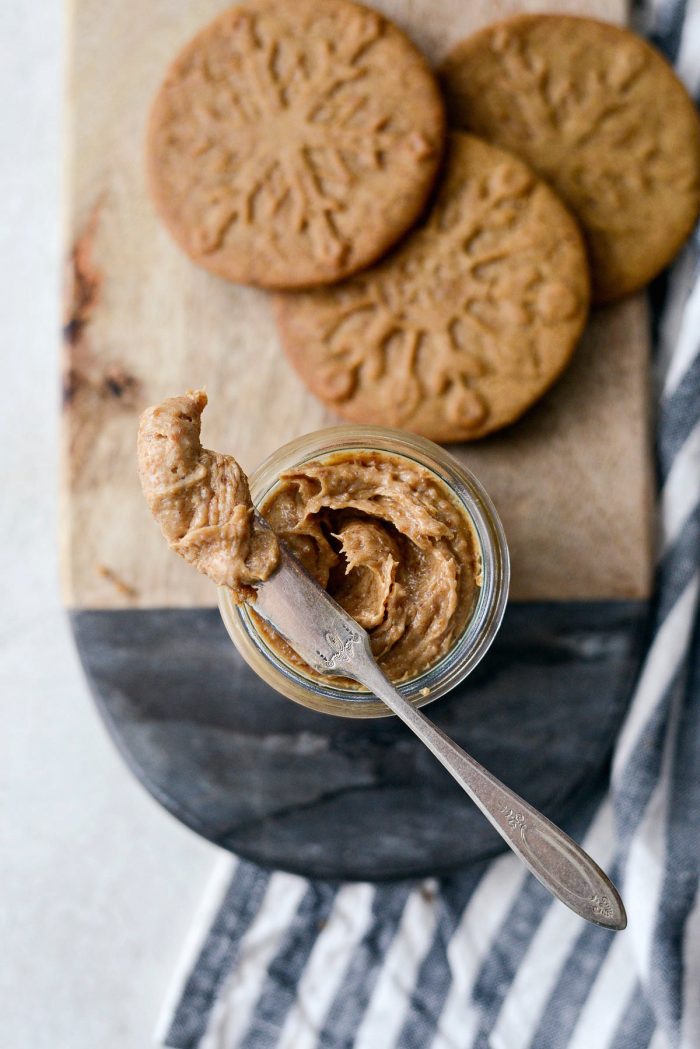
[467,323]
[291,144]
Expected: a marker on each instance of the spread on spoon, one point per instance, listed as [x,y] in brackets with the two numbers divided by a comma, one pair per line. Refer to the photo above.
[380,532]
[200,498]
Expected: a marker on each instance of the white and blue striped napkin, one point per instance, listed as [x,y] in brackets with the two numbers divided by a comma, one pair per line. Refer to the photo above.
[486,958]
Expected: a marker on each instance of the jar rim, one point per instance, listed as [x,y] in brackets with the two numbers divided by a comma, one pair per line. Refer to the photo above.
[481,626]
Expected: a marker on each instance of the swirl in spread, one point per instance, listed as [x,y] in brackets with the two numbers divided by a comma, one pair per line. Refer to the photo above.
[383,536]
[201,499]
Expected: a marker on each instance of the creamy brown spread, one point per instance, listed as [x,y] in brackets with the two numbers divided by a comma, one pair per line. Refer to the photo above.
[380,532]
[201,499]
[383,536]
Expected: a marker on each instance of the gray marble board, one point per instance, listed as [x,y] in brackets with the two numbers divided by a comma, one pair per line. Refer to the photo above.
[337,798]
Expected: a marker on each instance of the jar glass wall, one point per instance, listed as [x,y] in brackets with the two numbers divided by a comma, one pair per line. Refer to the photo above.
[479,630]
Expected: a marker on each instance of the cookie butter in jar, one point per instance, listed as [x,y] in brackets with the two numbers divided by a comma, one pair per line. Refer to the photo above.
[404,538]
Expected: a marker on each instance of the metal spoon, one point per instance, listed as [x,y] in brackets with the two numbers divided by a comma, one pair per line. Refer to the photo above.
[332,643]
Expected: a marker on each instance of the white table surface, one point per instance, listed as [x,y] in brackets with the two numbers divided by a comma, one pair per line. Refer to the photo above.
[98,885]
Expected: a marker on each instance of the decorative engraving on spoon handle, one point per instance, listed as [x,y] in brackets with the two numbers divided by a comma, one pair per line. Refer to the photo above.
[337,654]
[556,859]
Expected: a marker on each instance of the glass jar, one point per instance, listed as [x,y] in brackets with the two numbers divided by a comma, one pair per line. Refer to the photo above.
[479,630]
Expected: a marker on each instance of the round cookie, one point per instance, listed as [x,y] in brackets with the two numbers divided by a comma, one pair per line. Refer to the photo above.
[292,143]
[598,113]
[467,323]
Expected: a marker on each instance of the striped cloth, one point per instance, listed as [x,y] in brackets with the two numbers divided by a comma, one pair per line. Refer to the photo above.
[486,957]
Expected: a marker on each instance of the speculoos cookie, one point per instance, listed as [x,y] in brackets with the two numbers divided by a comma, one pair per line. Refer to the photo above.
[292,143]
[599,114]
[467,323]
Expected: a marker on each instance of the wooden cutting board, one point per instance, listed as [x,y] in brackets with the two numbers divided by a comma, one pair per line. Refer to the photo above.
[571,481]
[268,779]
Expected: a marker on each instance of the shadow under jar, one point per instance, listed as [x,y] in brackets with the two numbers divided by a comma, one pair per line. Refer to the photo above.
[481,625]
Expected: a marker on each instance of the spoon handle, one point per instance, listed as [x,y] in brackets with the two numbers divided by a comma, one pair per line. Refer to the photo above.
[332,642]
[553,857]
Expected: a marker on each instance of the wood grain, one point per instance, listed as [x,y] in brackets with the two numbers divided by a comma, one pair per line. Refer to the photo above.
[572,481]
